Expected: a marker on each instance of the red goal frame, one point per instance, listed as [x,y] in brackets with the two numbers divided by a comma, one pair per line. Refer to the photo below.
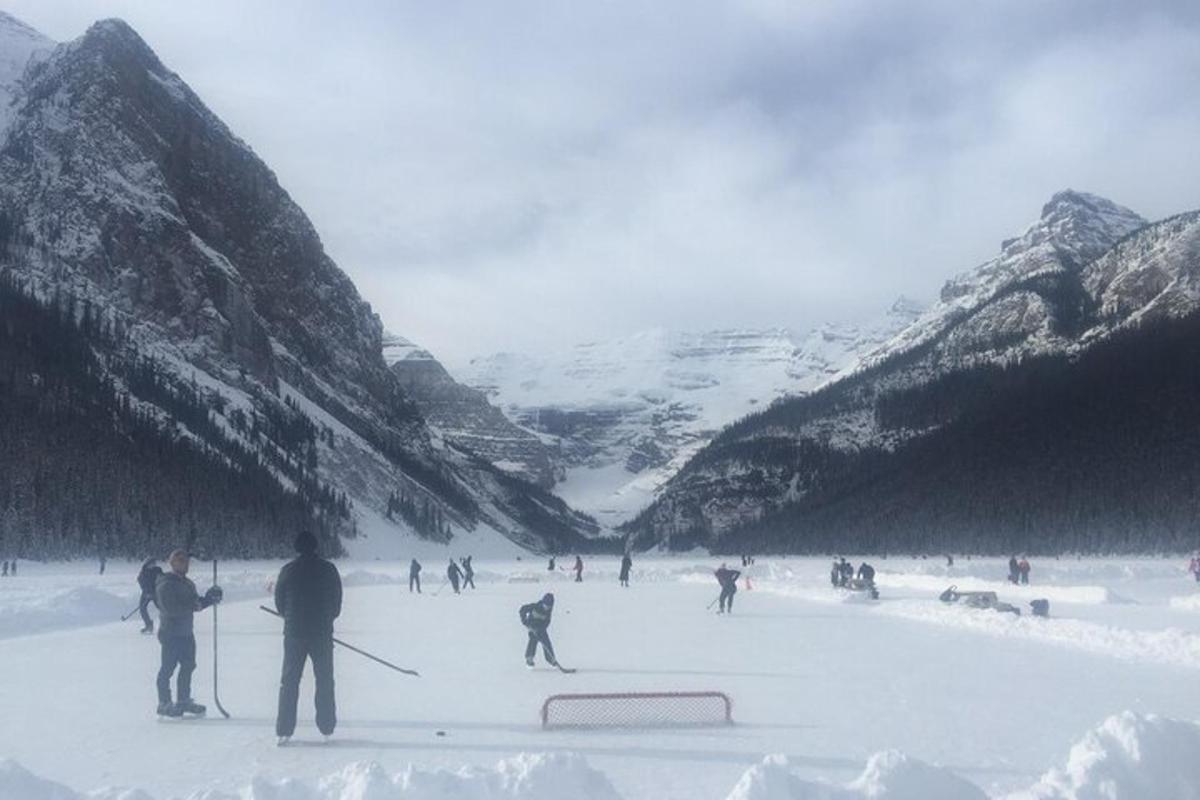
[724,698]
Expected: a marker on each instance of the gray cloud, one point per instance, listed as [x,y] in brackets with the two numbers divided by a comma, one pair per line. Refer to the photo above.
[524,175]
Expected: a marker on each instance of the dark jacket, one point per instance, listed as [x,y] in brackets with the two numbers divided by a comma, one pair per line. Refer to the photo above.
[414,569]
[727,578]
[148,577]
[866,572]
[308,594]
[177,600]
[536,616]
[626,563]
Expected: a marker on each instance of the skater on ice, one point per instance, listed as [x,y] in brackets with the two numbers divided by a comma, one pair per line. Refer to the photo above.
[178,601]
[536,619]
[626,565]
[578,568]
[414,576]
[308,595]
[550,566]
[1194,566]
[468,573]
[1023,570]
[454,574]
[727,578]
[1014,570]
[4,572]
[866,579]
[147,579]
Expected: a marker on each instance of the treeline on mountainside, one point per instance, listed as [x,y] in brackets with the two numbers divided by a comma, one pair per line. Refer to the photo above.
[1094,454]
[104,452]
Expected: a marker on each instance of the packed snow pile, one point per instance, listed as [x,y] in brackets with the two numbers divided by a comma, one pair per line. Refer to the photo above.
[1187,602]
[523,777]
[1163,646]
[22,613]
[890,774]
[934,584]
[1129,756]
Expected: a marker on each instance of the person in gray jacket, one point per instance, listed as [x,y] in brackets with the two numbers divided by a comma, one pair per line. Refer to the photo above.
[178,601]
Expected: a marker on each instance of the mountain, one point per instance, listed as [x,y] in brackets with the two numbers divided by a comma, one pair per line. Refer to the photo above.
[622,416]
[214,323]
[464,416]
[1046,402]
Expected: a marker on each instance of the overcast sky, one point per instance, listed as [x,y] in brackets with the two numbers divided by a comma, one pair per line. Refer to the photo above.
[525,175]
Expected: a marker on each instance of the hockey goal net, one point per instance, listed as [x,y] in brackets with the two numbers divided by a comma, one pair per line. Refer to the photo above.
[637,710]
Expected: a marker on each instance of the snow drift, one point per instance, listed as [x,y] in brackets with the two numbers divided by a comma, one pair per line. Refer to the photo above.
[1128,757]
[69,608]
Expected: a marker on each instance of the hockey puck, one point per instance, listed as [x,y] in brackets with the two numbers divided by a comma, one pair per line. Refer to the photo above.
[441,733]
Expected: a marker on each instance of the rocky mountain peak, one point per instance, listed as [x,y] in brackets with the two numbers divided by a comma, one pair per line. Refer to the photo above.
[1080,225]
[19,44]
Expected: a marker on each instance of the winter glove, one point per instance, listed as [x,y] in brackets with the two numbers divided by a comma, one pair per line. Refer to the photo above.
[213,596]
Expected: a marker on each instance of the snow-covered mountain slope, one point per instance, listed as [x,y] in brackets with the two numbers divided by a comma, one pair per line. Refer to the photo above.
[464,416]
[19,46]
[122,191]
[1086,271]
[622,416]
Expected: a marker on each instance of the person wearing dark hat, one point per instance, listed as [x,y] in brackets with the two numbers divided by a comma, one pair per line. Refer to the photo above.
[308,595]
[178,601]
[536,619]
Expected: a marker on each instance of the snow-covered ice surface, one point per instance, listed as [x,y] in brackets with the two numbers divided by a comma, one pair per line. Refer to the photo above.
[833,697]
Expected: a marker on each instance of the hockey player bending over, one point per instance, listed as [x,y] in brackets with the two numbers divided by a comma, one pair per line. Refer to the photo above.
[178,601]
[308,595]
[147,580]
[728,580]
[536,619]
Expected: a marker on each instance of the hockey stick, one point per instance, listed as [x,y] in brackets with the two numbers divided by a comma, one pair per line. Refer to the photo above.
[216,697]
[131,613]
[445,583]
[713,603]
[374,658]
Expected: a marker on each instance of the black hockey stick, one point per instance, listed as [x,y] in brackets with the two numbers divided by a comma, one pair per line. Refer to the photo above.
[374,658]
[216,697]
[131,613]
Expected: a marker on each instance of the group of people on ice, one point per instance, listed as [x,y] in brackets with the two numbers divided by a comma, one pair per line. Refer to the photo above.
[8,568]
[1018,571]
[460,576]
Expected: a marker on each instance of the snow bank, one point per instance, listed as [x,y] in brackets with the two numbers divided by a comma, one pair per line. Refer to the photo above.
[1187,602]
[523,777]
[890,774]
[1128,756]
[1166,646]
[27,613]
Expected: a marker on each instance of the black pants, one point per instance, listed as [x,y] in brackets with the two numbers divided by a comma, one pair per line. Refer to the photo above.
[542,636]
[177,651]
[143,604]
[726,599]
[624,579]
[454,584]
[469,580]
[414,580]
[296,649]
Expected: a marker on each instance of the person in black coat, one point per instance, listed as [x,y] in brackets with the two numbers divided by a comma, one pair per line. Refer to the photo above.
[626,565]
[536,619]
[308,595]
[414,575]
[147,579]
[468,573]
[578,569]
[728,580]
[454,574]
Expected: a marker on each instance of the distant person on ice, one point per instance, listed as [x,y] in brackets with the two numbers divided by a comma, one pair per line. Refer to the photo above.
[578,569]
[550,568]
[468,573]
[536,619]
[835,574]
[4,573]
[178,601]
[866,574]
[147,579]
[414,575]
[626,565]
[1014,570]
[847,572]
[1023,569]
[454,574]
[728,579]
[1194,566]
[308,595]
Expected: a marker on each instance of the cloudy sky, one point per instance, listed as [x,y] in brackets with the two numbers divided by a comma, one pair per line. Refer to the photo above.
[525,175]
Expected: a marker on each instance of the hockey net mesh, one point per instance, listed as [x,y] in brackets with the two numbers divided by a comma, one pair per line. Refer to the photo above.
[637,710]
